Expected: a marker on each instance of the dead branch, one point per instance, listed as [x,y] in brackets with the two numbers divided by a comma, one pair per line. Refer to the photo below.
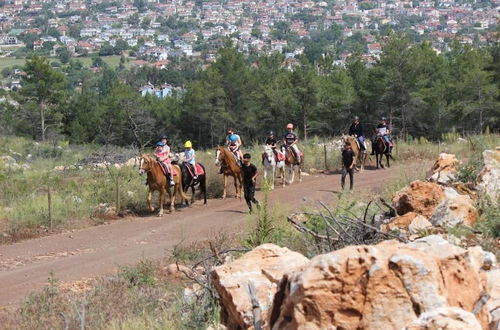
[389,206]
[257,322]
[303,229]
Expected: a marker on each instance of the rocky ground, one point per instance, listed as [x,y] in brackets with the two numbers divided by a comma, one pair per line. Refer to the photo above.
[425,278]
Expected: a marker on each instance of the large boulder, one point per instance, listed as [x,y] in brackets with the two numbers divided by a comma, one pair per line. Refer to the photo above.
[493,304]
[488,181]
[386,286]
[419,197]
[445,318]
[455,209]
[444,169]
[264,267]
[410,222]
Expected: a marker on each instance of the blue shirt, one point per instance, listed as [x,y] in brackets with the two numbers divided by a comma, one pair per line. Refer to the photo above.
[189,156]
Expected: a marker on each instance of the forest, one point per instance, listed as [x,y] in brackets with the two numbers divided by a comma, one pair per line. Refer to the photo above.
[421,92]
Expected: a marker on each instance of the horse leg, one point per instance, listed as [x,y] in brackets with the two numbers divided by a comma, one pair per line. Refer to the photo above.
[192,194]
[236,187]
[150,198]
[225,182]
[203,187]
[162,200]
[282,175]
[273,176]
[388,162]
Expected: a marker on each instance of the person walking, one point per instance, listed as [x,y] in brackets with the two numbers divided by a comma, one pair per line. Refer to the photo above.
[348,163]
[249,179]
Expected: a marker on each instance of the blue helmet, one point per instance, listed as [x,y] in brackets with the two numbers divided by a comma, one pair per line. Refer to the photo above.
[160,144]
[233,138]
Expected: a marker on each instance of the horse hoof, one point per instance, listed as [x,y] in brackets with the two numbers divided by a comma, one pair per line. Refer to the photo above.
[160,215]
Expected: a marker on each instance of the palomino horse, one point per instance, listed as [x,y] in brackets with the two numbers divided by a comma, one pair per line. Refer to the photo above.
[291,162]
[380,149]
[270,165]
[226,159]
[157,181]
[188,181]
[360,155]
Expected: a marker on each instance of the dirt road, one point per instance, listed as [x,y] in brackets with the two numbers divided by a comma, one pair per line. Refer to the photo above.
[25,266]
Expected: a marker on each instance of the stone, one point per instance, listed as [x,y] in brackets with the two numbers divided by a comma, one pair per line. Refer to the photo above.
[401,222]
[445,318]
[176,270]
[455,209]
[386,286]
[59,168]
[493,304]
[131,162]
[419,197]
[488,180]
[419,223]
[444,169]
[264,266]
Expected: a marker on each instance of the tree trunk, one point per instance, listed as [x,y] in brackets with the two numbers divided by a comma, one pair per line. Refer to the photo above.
[42,120]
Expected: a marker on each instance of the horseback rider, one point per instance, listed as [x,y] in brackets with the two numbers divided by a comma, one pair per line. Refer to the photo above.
[290,140]
[271,141]
[356,130]
[162,154]
[233,142]
[189,158]
[383,131]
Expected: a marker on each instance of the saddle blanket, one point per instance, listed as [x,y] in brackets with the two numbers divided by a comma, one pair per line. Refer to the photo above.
[164,169]
[199,169]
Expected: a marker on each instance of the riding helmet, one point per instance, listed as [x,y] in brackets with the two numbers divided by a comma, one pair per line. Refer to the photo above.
[355,118]
[188,144]
[270,133]
[164,137]
[160,144]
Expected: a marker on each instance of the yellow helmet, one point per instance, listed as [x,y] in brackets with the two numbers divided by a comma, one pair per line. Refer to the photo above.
[188,144]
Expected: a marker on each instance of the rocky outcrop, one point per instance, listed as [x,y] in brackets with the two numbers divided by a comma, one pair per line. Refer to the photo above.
[445,318]
[455,209]
[488,181]
[264,267]
[419,197]
[493,304]
[410,222]
[444,169]
[387,286]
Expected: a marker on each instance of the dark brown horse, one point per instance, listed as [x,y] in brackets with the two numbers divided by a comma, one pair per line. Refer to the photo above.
[381,148]
[157,181]
[226,159]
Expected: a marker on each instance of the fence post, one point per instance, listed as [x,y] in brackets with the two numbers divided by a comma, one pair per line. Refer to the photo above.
[49,201]
[326,163]
[117,201]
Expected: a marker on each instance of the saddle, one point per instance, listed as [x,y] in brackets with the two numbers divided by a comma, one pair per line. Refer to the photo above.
[199,169]
[164,169]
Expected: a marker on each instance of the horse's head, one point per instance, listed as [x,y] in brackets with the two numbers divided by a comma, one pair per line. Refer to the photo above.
[268,152]
[218,156]
[145,164]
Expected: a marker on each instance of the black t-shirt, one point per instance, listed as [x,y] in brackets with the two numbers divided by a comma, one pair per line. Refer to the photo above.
[356,129]
[249,172]
[290,137]
[347,157]
[271,141]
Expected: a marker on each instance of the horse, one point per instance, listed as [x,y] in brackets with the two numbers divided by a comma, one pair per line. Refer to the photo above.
[270,165]
[360,155]
[290,163]
[157,181]
[188,181]
[226,159]
[380,149]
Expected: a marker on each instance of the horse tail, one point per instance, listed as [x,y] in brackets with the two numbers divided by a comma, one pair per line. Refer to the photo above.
[179,187]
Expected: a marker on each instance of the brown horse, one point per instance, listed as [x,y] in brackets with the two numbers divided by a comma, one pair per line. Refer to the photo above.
[360,156]
[157,181]
[226,159]
[291,162]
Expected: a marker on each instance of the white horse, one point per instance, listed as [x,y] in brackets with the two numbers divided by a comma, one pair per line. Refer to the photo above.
[270,165]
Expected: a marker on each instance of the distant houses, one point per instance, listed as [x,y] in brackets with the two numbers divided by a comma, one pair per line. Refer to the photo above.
[163,91]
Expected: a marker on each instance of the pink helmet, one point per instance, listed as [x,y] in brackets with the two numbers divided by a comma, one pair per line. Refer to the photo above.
[290,125]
